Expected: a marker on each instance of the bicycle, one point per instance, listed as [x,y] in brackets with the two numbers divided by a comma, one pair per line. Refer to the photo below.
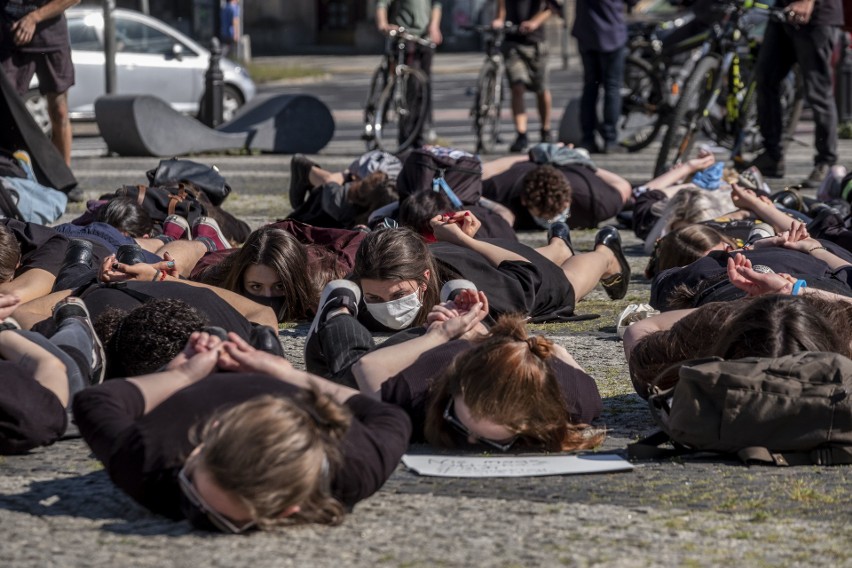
[654,72]
[488,101]
[398,100]
[718,99]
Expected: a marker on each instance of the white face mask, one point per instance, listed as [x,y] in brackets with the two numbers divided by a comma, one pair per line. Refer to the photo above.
[396,314]
[560,218]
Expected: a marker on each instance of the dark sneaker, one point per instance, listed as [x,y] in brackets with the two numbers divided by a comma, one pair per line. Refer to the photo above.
[789,199]
[616,285]
[300,184]
[79,251]
[9,323]
[560,230]
[337,294]
[176,227]
[76,195]
[546,135]
[817,175]
[769,166]
[207,230]
[73,307]
[129,254]
[520,144]
[451,289]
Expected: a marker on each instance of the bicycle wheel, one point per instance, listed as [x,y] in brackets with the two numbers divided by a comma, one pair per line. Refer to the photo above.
[401,111]
[486,109]
[685,122]
[377,85]
[641,101]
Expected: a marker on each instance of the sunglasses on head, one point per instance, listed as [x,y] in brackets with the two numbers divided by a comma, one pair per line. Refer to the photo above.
[450,416]
[216,518]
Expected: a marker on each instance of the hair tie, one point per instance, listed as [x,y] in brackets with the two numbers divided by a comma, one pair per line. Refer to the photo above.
[797,287]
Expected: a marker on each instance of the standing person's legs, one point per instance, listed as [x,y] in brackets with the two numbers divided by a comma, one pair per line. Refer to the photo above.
[423,57]
[55,73]
[539,76]
[773,63]
[613,76]
[57,108]
[589,99]
[813,46]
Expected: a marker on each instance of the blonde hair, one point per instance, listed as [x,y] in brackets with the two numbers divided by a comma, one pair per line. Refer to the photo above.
[274,453]
[687,206]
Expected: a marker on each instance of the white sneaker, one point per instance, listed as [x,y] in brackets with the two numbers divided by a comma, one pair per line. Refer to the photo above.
[632,314]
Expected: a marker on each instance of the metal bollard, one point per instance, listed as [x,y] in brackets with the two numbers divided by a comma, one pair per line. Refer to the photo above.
[214,88]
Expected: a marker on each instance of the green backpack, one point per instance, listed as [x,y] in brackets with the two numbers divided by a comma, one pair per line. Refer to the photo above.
[791,410]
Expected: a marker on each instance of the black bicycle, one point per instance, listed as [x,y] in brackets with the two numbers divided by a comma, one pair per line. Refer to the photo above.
[488,101]
[398,100]
[654,72]
[718,99]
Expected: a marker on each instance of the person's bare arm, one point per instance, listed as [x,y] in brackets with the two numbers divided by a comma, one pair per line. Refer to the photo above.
[452,231]
[24,29]
[679,172]
[30,313]
[32,284]
[499,209]
[622,185]
[379,365]
[45,367]
[535,22]
[762,208]
[647,326]
[435,24]
[501,165]
[500,15]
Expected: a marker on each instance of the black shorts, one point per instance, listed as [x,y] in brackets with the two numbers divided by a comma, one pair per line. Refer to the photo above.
[54,69]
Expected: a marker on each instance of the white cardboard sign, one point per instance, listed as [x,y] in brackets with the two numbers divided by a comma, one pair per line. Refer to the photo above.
[513,466]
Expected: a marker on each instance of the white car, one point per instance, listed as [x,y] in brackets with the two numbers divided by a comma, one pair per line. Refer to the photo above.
[151,58]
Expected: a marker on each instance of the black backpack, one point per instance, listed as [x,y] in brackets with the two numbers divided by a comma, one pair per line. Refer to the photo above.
[206,178]
[455,172]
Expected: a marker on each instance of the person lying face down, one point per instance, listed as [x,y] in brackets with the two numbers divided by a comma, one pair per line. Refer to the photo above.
[400,275]
[234,439]
[460,383]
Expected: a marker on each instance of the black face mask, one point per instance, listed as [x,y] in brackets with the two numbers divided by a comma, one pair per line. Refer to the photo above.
[277,303]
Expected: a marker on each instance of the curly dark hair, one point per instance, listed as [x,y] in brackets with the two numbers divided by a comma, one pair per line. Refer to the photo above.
[546,190]
[146,338]
[10,254]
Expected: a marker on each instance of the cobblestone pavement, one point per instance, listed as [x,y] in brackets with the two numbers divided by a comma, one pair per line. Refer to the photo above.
[58,508]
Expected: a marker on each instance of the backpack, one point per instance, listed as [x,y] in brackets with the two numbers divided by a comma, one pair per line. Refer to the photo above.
[790,410]
[206,178]
[455,172]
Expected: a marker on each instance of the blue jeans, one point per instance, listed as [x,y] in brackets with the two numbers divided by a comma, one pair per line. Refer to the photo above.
[601,69]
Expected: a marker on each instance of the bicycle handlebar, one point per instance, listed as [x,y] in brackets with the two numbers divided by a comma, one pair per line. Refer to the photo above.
[407,37]
[508,28]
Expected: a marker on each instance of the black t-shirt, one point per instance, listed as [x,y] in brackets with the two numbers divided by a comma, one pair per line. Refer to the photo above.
[410,388]
[518,11]
[143,453]
[130,295]
[30,414]
[41,247]
[592,199]
[537,288]
[826,12]
[50,34]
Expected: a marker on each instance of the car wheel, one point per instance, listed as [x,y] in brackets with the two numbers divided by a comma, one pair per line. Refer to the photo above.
[232,100]
[37,105]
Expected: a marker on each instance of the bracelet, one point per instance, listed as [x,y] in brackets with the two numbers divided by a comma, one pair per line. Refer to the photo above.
[156,276]
[159,276]
[816,248]
[797,287]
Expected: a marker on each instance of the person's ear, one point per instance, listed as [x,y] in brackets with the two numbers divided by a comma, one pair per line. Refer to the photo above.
[426,275]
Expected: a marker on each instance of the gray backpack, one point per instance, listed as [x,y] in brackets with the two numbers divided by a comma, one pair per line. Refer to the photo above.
[792,410]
